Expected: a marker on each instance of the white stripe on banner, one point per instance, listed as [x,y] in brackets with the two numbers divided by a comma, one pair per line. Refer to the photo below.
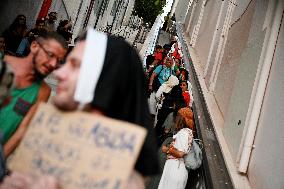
[90,71]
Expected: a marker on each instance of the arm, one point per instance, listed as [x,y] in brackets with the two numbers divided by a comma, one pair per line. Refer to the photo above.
[16,138]
[155,63]
[151,81]
[172,151]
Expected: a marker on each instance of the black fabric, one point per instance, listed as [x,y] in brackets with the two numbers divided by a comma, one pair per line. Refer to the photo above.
[2,164]
[12,40]
[161,117]
[172,102]
[149,60]
[156,84]
[121,94]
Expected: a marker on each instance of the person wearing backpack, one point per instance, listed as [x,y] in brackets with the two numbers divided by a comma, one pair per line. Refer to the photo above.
[175,174]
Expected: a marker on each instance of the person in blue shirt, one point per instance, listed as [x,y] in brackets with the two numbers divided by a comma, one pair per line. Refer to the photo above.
[161,74]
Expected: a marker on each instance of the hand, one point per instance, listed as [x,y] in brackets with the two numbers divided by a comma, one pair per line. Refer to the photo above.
[171,145]
[164,149]
[25,181]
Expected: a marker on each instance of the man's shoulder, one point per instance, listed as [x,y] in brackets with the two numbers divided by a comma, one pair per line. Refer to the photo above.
[14,61]
[10,59]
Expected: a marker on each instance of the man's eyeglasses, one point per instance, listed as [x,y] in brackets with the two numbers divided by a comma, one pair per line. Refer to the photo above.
[51,56]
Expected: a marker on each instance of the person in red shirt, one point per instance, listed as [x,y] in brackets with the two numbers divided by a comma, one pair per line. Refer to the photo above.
[185,92]
[158,58]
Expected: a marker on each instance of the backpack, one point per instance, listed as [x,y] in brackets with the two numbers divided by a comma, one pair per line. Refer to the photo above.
[193,159]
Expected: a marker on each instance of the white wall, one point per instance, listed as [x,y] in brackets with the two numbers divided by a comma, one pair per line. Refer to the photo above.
[181,9]
[206,30]
[266,168]
[238,71]
[236,78]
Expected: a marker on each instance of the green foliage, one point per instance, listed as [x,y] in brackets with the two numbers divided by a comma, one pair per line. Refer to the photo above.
[149,9]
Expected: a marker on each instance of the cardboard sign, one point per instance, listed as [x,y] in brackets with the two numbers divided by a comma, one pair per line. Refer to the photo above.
[82,150]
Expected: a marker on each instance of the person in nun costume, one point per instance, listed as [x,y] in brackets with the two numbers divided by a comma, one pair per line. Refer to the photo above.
[121,94]
[113,87]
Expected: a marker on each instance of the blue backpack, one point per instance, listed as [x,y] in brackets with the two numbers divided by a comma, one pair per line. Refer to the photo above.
[193,159]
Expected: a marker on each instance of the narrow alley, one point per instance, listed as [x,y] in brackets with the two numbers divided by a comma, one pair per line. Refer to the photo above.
[141,94]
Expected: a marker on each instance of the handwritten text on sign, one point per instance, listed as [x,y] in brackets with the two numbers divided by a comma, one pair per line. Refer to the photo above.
[82,150]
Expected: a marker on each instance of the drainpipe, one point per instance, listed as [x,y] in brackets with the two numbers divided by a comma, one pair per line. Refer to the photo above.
[260,91]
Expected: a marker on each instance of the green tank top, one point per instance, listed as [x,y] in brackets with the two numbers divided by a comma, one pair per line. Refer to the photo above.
[12,114]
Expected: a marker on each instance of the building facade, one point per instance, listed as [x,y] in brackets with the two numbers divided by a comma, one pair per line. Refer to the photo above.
[235,47]
[101,14]
[82,13]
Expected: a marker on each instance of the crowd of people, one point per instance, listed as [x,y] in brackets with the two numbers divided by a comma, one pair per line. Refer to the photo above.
[34,54]
[17,38]
[170,100]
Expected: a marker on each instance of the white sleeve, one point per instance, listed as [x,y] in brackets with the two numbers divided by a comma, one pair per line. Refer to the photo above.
[184,140]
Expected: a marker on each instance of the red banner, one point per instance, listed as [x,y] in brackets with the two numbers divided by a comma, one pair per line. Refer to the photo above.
[44,9]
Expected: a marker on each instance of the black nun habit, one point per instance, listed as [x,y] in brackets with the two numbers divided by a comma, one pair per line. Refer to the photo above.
[121,94]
